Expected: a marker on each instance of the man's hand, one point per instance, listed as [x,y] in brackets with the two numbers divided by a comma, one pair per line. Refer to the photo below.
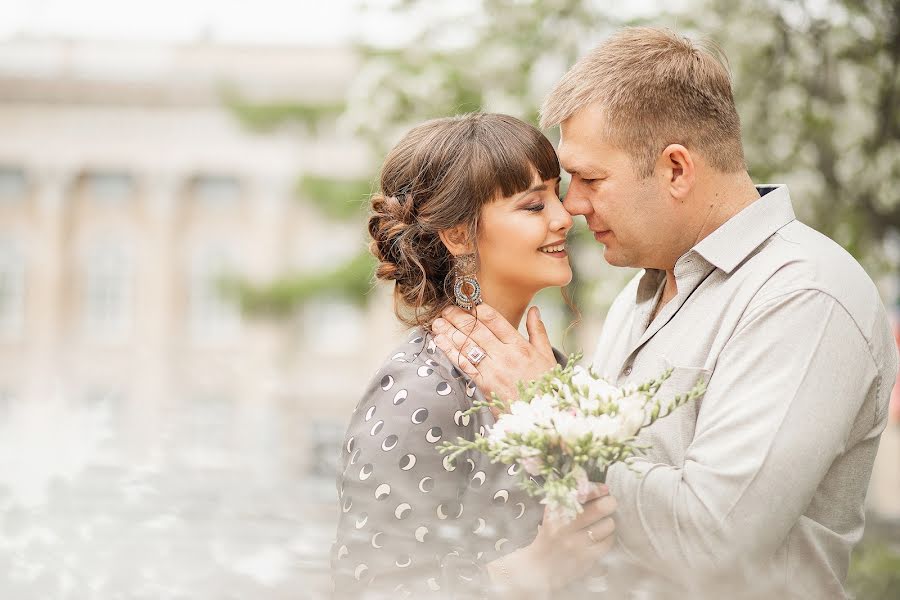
[510,357]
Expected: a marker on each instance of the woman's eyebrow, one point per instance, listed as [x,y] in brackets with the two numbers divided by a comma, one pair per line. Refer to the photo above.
[541,187]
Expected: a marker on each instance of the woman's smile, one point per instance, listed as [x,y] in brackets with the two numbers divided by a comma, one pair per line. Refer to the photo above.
[555,250]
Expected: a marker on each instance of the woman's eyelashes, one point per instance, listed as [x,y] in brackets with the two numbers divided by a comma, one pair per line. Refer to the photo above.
[542,204]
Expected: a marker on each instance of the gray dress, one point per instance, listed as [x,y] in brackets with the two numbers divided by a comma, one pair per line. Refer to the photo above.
[411,522]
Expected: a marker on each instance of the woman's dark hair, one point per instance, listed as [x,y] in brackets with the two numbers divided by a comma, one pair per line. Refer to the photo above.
[439,176]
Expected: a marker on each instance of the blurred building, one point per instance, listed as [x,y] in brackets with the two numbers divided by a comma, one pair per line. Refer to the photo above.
[127,189]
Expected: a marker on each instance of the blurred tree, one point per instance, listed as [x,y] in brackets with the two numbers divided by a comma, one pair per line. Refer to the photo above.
[494,55]
[817,86]
[875,572]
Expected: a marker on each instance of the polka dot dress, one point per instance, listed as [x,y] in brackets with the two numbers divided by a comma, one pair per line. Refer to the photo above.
[412,523]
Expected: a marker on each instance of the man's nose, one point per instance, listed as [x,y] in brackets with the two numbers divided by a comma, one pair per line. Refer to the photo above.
[576,203]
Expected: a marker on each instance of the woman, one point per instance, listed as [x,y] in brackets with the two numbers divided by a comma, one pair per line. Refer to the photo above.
[469,209]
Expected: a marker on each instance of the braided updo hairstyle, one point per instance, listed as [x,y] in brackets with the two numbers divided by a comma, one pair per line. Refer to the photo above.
[439,176]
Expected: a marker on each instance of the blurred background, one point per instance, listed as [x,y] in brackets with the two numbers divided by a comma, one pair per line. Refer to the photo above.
[187,316]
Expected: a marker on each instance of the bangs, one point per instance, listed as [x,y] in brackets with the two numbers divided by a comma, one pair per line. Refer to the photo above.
[508,154]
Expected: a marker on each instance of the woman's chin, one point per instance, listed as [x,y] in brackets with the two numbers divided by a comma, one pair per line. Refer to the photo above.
[561,280]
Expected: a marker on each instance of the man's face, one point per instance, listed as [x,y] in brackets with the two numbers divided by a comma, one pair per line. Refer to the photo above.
[628,215]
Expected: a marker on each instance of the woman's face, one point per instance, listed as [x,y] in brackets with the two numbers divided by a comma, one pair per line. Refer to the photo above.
[521,241]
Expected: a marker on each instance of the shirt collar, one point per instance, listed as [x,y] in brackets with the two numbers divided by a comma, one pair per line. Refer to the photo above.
[734,240]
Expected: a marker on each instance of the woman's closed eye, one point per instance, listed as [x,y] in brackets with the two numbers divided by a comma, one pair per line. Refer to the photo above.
[535,207]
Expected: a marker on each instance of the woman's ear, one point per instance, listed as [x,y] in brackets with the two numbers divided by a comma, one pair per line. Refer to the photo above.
[456,239]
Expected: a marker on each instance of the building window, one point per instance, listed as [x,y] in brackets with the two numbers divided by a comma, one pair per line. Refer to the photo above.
[217,190]
[12,289]
[108,291]
[215,316]
[110,187]
[13,185]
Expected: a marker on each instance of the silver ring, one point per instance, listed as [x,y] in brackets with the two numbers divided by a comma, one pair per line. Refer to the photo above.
[591,536]
[475,355]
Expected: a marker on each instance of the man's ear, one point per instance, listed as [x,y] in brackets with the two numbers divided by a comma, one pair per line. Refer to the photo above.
[456,239]
[679,171]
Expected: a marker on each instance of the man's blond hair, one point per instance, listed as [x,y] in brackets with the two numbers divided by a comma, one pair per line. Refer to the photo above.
[656,88]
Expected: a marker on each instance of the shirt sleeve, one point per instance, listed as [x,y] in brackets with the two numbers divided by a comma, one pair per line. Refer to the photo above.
[402,525]
[779,408]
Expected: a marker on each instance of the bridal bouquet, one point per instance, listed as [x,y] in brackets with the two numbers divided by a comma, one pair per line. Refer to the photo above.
[567,428]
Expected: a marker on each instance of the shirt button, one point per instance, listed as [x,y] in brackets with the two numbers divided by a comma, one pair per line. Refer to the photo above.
[627,370]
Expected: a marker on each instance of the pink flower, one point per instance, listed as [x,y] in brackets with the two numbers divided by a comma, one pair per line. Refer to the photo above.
[585,487]
[532,464]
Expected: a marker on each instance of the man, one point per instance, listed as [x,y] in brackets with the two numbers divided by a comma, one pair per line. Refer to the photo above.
[758,489]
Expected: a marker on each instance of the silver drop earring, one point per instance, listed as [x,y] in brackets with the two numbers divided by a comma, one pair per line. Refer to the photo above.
[466,290]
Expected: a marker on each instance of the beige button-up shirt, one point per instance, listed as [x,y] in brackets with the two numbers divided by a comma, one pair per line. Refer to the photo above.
[756,490]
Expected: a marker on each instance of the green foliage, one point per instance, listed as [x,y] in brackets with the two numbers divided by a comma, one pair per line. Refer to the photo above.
[339,199]
[875,572]
[268,116]
[510,46]
[351,279]
[817,86]
[818,89]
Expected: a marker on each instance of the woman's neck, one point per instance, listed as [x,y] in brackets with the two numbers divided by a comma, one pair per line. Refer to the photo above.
[509,304]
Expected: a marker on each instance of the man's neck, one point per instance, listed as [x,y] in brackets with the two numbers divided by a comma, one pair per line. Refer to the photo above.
[720,198]
[670,290]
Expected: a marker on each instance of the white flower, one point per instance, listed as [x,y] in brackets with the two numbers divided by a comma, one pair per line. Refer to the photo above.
[509,424]
[631,416]
[522,419]
[605,426]
[540,410]
[589,404]
[599,390]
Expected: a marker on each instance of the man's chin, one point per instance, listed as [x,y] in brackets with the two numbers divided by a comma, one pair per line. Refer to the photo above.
[614,258]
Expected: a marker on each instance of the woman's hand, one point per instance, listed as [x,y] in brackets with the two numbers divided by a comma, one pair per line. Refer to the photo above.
[561,552]
[509,357]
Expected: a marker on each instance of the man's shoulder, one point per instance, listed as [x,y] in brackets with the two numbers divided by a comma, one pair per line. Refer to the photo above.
[797,259]
[801,258]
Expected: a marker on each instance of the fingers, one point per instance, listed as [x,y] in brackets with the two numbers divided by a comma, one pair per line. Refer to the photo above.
[537,333]
[600,530]
[595,510]
[598,490]
[597,550]
[457,358]
[459,327]
[499,326]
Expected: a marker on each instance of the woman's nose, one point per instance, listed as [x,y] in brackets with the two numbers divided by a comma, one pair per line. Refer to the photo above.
[562,220]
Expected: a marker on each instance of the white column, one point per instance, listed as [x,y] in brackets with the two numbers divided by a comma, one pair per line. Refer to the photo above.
[263,339]
[156,331]
[46,307]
